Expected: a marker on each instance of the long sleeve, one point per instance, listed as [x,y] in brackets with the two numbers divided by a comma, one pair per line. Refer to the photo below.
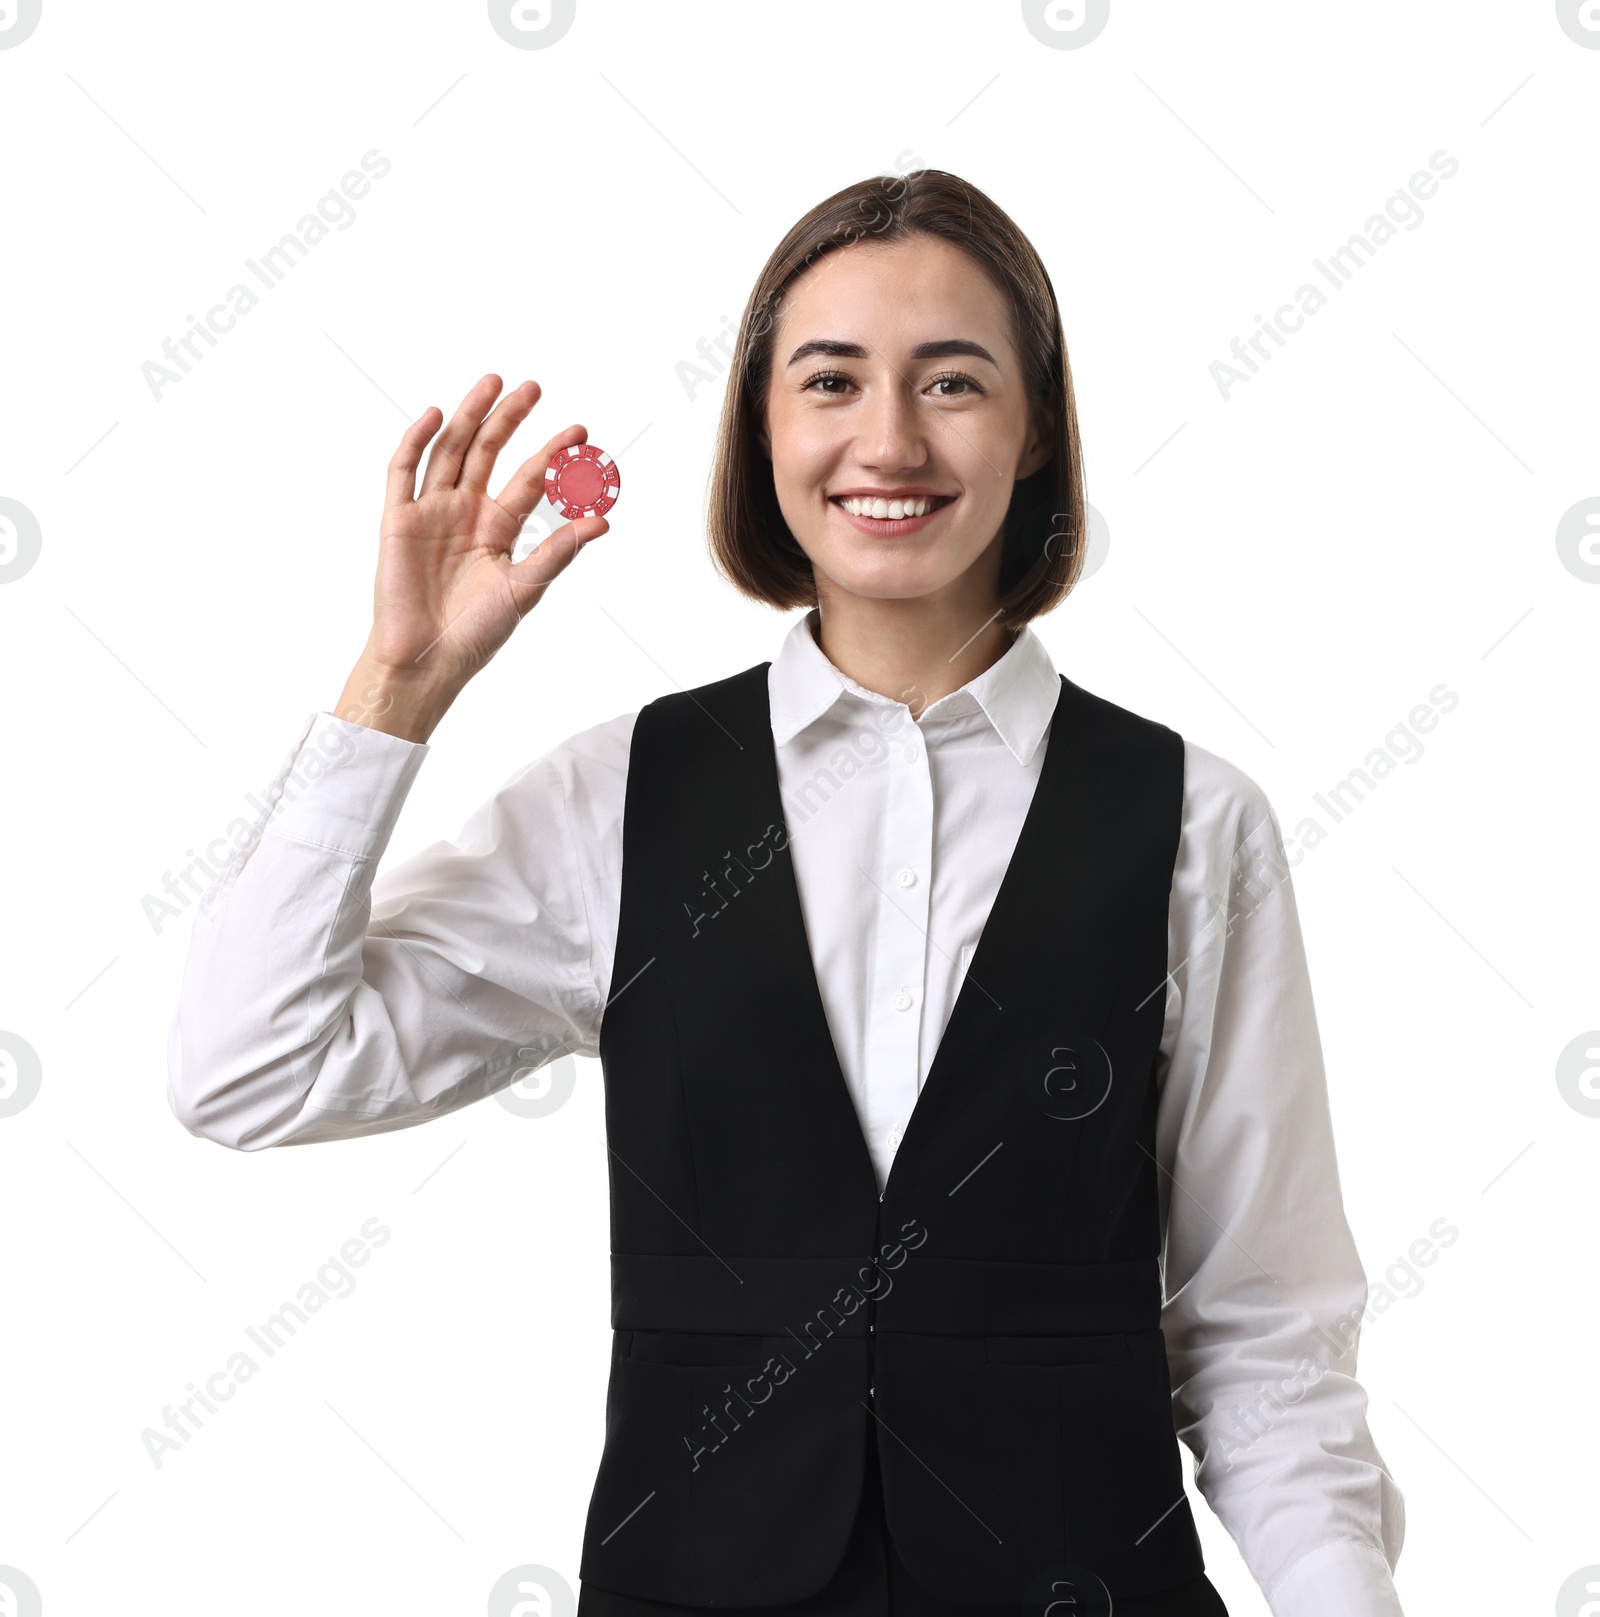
[322,998]
[1264,1286]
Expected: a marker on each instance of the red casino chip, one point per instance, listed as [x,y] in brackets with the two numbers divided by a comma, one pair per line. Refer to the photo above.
[582,481]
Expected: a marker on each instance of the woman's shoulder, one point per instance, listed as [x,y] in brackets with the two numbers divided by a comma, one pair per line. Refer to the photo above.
[1221,803]
[572,792]
[591,758]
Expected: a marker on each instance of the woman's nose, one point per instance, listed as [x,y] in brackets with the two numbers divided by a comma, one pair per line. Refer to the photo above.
[891,434]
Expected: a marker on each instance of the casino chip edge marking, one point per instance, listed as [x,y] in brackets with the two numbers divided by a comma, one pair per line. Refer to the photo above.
[582,481]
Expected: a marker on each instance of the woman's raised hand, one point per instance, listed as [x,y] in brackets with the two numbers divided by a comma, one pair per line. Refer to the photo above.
[447,595]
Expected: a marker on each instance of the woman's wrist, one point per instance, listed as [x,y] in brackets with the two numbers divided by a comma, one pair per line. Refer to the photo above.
[402,702]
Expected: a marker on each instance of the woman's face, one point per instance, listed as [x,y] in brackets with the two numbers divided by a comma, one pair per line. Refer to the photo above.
[897,421]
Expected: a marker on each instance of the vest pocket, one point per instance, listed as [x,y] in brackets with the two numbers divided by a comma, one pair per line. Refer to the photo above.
[732,1467]
[691,1348]
[1122,1472]
[1055,1349]
[1027,1454]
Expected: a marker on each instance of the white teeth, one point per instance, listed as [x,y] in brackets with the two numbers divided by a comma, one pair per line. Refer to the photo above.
[886,510]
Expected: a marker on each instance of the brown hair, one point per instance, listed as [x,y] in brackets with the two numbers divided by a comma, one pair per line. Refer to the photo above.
[1042,551]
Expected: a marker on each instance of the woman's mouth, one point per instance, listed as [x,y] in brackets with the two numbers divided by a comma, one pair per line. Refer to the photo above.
[890,517]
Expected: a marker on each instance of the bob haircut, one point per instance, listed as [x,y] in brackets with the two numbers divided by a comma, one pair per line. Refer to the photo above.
[1043,546]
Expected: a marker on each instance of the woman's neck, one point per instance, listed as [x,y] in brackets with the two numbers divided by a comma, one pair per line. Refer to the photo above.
[913,651]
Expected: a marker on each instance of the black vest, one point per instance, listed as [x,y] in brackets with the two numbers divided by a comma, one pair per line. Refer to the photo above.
[997,1310]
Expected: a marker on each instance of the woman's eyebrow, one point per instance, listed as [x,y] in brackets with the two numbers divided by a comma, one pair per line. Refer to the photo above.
[953,347]
[829,346]
[947,348]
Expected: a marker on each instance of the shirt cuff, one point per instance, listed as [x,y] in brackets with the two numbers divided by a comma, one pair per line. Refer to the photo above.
[1347,1578]
[345,787]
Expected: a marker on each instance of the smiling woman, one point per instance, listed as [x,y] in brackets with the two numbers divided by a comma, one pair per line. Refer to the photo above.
[899,931]
[947,348]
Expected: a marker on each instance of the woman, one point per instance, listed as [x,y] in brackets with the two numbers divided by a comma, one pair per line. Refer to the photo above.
[969,1135]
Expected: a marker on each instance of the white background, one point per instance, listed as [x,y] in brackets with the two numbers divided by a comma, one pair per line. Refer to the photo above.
[1290,572]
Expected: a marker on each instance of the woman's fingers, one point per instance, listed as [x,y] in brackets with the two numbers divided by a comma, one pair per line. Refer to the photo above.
[494,435]
[402,485]
[526,487]
[444,463]
[551,557]
[585,528]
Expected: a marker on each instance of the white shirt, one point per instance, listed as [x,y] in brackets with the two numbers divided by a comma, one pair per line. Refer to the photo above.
[301,1019]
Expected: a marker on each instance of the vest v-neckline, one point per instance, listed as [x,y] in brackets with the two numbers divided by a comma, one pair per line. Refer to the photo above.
[1037,845]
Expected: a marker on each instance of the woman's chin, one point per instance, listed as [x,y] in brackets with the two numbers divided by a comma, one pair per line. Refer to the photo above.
[900,584]
[893,578]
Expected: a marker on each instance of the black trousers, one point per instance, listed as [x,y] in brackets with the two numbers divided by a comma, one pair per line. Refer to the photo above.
[872,1581]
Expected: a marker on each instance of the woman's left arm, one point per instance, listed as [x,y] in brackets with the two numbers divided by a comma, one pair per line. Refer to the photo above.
[1265,1290]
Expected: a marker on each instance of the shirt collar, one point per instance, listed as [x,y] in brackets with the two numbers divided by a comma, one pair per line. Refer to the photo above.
[1017,694]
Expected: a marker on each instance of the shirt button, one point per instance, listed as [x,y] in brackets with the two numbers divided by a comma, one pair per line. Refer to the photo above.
[910,754]
[907,878]
[895,1137]
[902,1001]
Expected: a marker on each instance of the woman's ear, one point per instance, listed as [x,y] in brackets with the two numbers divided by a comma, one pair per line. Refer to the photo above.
[1041,443]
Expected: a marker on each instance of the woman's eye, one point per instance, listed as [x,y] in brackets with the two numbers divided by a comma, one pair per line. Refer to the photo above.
[953,385]
[836,384]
